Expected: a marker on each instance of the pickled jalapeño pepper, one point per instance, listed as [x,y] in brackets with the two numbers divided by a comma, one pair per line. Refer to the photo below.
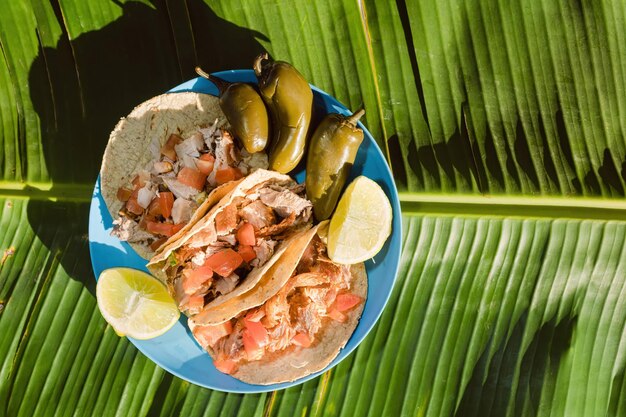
[290,101]
[332,151]
[245,111]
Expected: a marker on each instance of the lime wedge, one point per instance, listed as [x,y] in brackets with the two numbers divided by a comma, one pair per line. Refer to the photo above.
[135,303]
[361,223]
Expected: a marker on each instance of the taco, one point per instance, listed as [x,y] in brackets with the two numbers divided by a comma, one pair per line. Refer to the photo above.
[227,252]
[166,164]
[290,324]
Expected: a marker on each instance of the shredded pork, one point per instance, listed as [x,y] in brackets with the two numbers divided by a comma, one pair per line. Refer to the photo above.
[226,220]
[264,250]
[300,308]
[225,285]
[258,214]
[284,202]
[269,228]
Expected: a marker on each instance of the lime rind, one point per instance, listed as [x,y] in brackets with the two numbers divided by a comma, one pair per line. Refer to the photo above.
[361,223]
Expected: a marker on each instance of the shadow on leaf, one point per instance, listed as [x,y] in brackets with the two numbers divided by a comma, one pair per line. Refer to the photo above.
[81,87]
[488,394]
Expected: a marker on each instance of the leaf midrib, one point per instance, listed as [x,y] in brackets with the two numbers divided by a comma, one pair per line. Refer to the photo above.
[46,191]
[515,206]
[412,203]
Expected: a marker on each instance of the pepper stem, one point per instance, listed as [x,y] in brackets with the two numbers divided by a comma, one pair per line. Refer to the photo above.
[258,68]
[221,85]
[356,115]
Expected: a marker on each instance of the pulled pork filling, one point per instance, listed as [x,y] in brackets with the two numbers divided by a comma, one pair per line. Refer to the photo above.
[242,236]
[318,291]
[163,197]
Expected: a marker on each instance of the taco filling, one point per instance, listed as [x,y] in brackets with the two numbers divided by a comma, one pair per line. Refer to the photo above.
[162,198]
[243,235]
[319,291]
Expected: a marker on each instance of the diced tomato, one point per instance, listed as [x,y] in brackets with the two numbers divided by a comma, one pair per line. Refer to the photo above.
[337,315]
[224,262]
[256,331]
[346,301]
[158,228]
[157,243]
[163,229]
[154,209]
[194,303]
[209,335]
[302,339]
[225,365]
[166,202]
[245,235]
[205,163]
[253,350]
[225,175]
[195,278]
[246,252]
[133,206]
[192,177]
[168,149]
[123,194]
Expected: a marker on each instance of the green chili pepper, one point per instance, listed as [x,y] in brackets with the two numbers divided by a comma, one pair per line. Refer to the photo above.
[290,101]
[244,110]
[332,151]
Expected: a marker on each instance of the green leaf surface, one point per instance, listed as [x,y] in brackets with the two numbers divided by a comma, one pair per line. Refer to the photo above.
[523,97]
[490,316]
[504,124]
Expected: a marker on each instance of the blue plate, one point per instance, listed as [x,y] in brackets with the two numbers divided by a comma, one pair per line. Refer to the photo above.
[176,350]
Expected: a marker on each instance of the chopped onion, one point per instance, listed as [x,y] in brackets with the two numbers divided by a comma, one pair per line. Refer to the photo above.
[190,146]
[179,189]
[189,149]
[182,210]
[145,195]
[187,161]
[197,139]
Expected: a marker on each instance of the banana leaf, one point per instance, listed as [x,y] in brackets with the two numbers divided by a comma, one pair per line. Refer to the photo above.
[504,124]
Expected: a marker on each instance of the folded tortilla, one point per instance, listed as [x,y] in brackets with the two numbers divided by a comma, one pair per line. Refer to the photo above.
[294,362]
[136,141]
[197,234]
